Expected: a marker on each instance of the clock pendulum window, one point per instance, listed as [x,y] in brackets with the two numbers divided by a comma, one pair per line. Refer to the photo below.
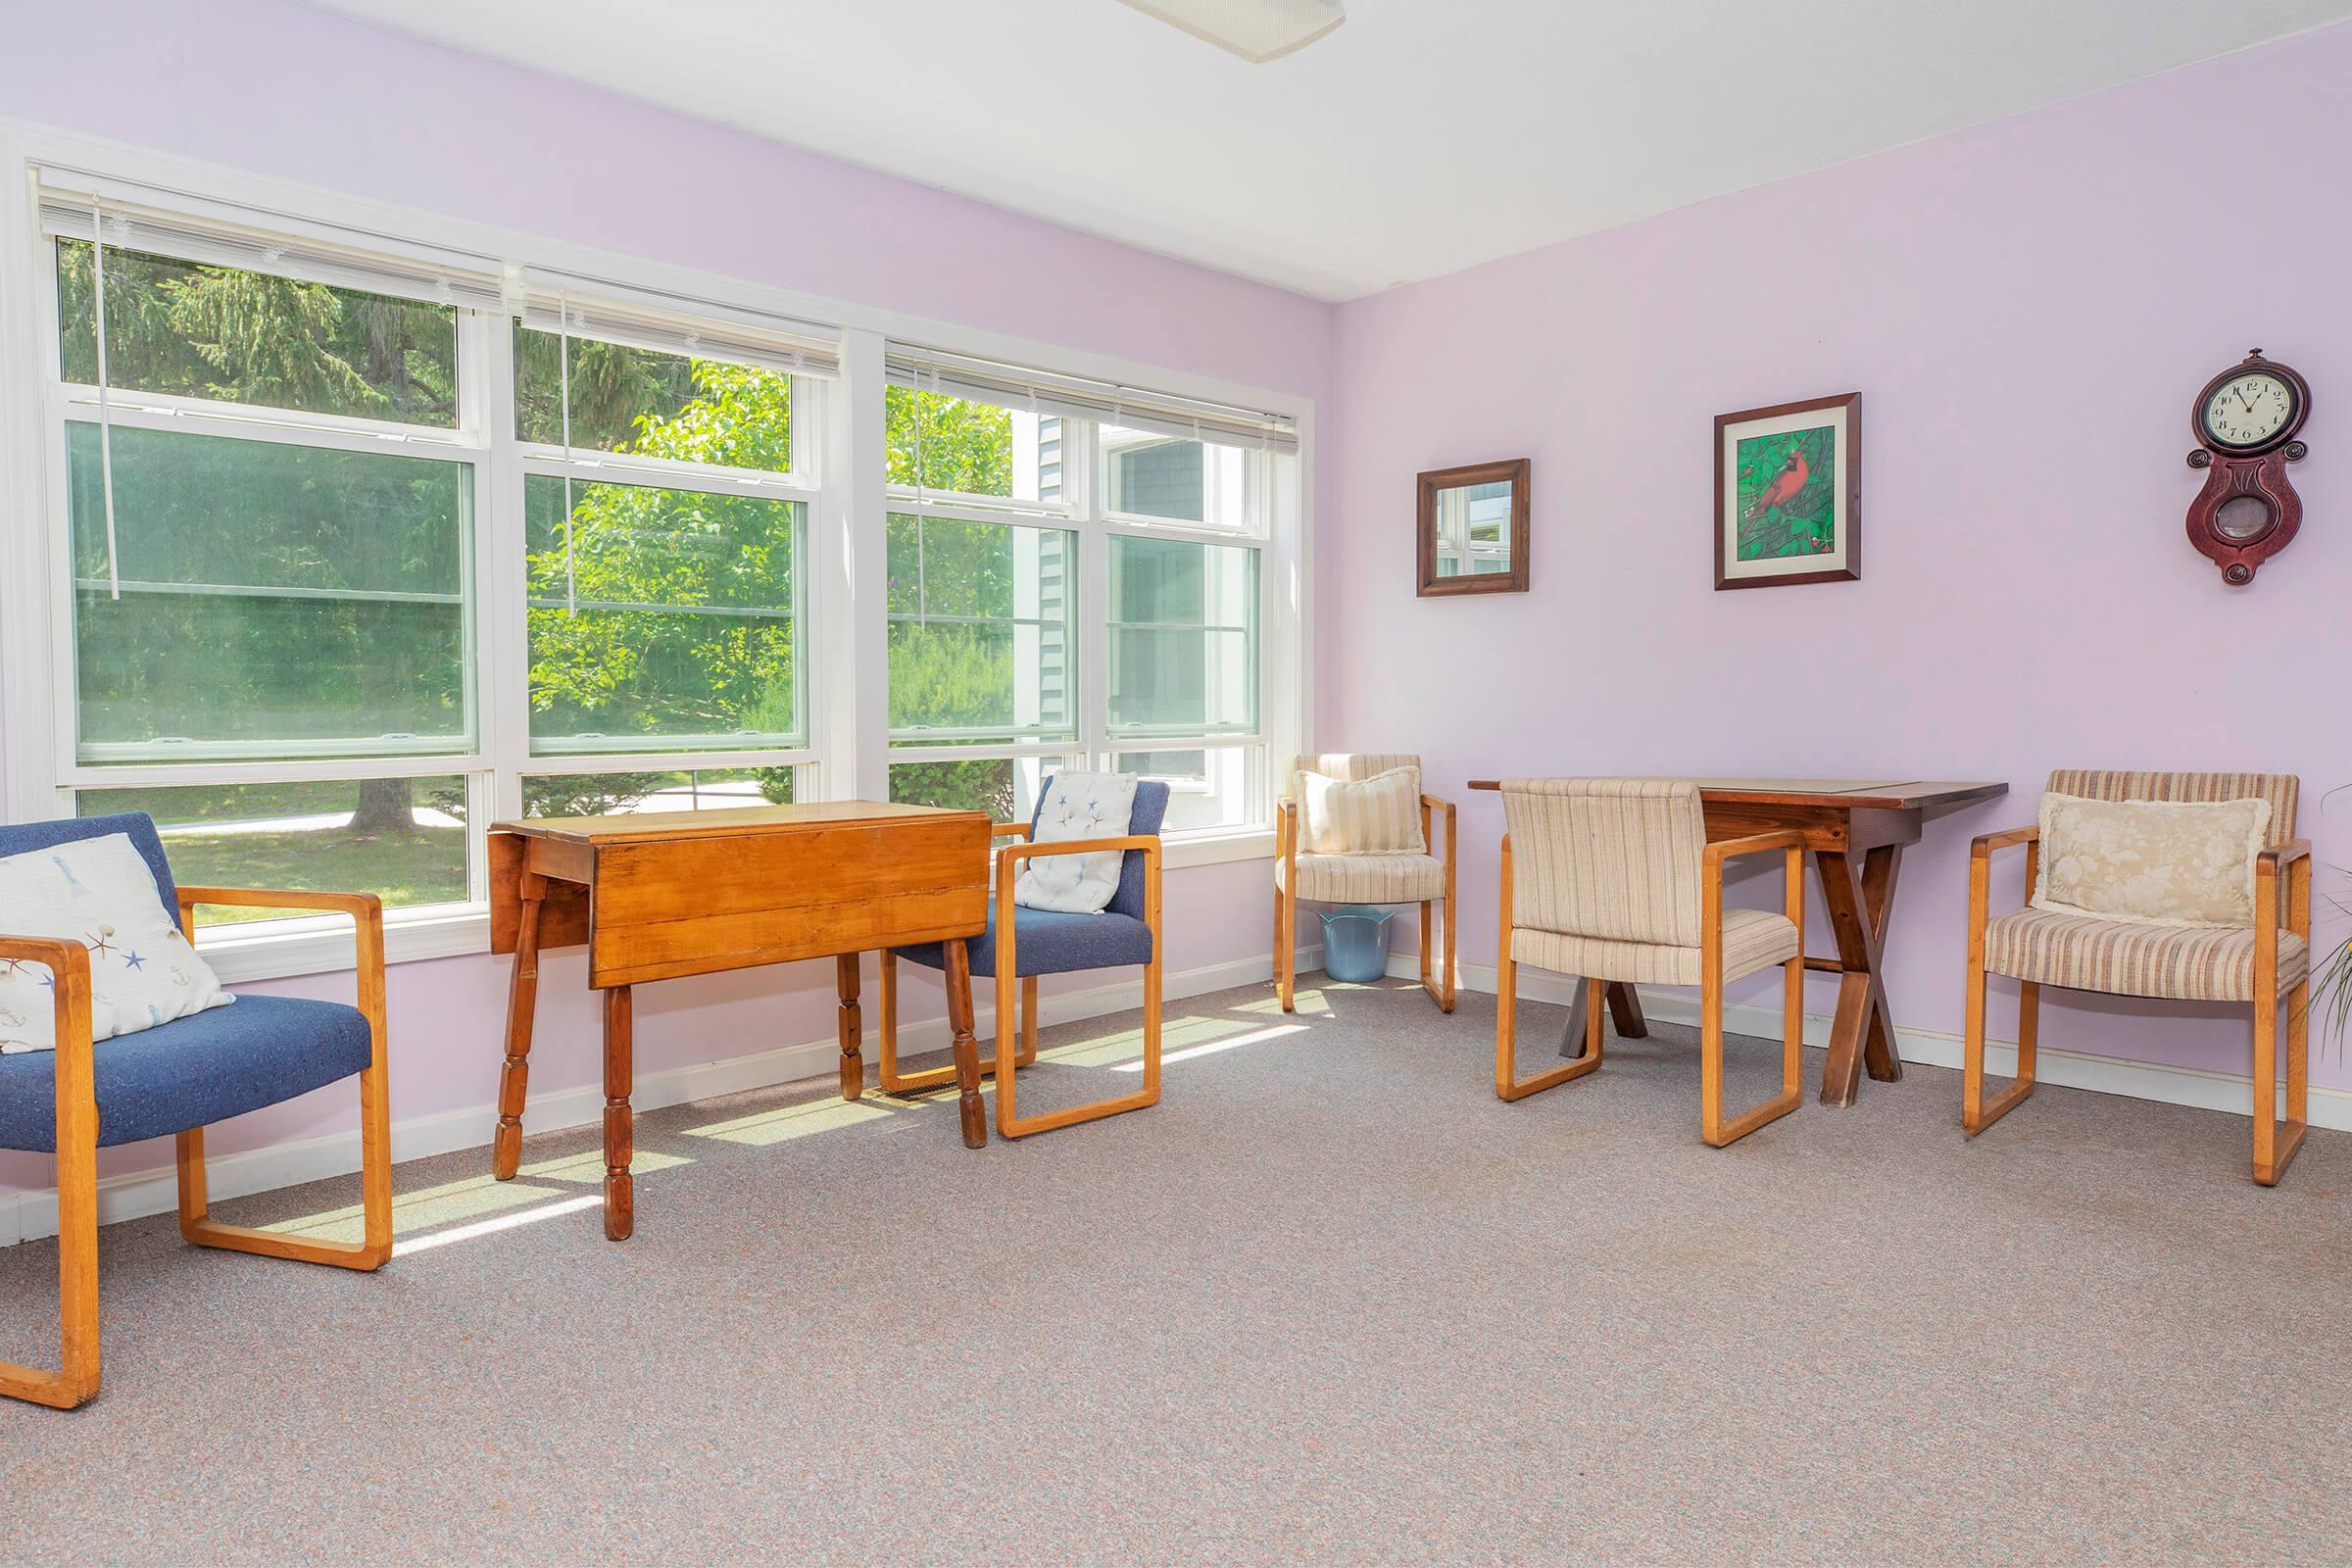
[2245,423]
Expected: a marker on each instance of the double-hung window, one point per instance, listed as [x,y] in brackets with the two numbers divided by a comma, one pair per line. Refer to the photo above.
[665,499]
[352,546]
[1076,580]
[350,559]
[269,489]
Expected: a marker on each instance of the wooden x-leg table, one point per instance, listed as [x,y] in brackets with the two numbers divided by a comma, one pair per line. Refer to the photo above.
[1857,831]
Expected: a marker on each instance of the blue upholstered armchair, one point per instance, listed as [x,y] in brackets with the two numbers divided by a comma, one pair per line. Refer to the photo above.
[1052,942]
[178,1078]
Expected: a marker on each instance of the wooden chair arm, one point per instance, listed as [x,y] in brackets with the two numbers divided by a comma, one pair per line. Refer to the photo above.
[75,1087]
[1432,803]
[367,911]
[1008,830]
[2278,856]
[1012,854]
[359,906]
[1722,849]
[1985,844]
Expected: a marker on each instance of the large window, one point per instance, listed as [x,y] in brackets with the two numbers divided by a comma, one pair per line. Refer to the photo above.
[349,548]
[1064,589]
[280,529]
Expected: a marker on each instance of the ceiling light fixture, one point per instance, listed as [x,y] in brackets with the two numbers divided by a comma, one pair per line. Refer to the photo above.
[1259,30]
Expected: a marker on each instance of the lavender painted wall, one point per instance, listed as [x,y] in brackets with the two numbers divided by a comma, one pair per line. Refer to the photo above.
[274,89]
[2028,309]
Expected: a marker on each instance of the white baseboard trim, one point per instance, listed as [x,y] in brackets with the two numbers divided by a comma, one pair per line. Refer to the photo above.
[1929,1047]
[30,1214]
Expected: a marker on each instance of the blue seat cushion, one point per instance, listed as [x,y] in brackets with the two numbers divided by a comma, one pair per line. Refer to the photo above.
[1050,942]
[192,1071]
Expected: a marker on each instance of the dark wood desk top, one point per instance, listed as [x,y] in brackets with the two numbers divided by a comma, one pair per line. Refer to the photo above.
[640,827]
[1871,794]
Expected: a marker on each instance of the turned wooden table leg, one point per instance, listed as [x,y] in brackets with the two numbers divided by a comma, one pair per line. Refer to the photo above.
[852,1025]
[1859,890]
[523,1005]
[620,1148]
[967,1051]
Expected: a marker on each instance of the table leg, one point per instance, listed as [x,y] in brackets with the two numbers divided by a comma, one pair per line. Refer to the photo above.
[1625,1013]
[967,1051]
[522,1007]
[620,1148]
[1859,891]
[852,1025]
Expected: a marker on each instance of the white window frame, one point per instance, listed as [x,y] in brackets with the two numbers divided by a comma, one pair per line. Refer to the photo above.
[1085,513]
[839,432]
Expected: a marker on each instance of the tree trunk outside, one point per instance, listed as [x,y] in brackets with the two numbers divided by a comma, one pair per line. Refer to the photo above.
[385,808]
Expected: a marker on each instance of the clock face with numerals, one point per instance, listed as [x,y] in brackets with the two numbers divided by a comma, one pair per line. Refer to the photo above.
[2246,410]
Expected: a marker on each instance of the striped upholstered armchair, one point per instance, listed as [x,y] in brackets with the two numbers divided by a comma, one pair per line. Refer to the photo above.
[2254,963]
[1413,875]
[1614,879]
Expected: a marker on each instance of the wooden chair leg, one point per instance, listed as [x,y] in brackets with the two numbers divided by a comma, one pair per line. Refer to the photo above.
[895,1082]
[1977,1112]
[1286,948]
[76,1376]
[1429,982]
[375,1197]
[1445,997]
[2275,1147]
[1509,1085]
[1008,1123]
[1712,1127]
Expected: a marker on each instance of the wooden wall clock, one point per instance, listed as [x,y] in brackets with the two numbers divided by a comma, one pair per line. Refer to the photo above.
[2246,420]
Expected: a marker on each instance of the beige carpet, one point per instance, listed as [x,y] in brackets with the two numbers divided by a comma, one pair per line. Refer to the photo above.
[1330,1302]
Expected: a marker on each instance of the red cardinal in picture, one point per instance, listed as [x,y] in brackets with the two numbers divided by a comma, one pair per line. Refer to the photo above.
[1784,485]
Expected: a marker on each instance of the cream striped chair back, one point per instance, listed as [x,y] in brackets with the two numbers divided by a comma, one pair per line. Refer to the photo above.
[1351,767]
[1616,858]
[2282,790]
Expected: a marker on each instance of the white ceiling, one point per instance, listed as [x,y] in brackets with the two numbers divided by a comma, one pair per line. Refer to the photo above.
[1421,138]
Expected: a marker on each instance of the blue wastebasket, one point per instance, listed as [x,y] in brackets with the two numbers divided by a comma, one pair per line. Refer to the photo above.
[1355,943]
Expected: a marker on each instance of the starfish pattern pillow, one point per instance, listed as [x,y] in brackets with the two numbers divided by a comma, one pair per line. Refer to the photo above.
[1077,806]
[97,892]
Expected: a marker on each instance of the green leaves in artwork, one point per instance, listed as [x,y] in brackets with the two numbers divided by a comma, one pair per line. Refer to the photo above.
[1787,493]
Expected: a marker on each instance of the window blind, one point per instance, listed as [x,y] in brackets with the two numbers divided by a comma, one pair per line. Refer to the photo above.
[550,301]
[1084,398]
[212,234]
[218,239]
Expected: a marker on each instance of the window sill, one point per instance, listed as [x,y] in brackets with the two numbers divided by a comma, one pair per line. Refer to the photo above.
[241,955]
[1218,847]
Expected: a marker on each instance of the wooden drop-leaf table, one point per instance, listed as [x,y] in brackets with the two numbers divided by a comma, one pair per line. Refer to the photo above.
[655,896]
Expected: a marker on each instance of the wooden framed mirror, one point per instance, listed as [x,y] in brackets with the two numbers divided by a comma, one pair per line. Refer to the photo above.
[1472,523]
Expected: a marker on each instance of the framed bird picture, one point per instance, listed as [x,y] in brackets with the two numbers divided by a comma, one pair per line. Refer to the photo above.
[1788,480]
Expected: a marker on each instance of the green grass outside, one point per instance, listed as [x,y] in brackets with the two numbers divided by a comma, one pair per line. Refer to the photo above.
[428,868]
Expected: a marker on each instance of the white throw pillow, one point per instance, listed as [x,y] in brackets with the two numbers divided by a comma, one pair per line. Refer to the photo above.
[1376,815]
[2159,862]
[1078,806]
[100,892]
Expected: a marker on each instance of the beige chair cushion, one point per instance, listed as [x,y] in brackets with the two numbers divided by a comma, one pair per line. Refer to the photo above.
[2135,957]
[1367,878]
[2164,862]
[1381,816]
[1752,940]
